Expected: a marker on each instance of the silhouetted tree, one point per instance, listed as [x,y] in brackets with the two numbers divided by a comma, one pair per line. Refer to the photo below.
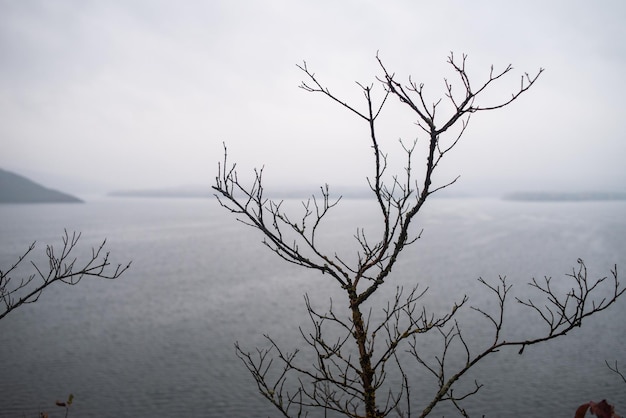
[63,267]
[349,374]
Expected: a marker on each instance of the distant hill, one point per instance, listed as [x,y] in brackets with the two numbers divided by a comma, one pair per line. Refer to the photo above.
[183,191]
[276,193]
[564,197]
[18,189]
[345,192]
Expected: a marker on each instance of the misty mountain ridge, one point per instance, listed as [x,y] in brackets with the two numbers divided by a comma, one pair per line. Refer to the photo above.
[275,192]
[288,192]
[564,196]
[352,192]
[181,191]
[15,188]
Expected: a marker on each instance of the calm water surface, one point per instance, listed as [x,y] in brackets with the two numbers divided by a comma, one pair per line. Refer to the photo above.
[159,340]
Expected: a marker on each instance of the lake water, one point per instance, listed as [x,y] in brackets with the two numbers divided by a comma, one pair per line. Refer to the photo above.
[158,342]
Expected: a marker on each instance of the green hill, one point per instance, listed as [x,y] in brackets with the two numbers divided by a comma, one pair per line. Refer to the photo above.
[18,189]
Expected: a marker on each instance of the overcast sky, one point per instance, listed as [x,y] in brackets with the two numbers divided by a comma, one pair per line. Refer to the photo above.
[124,94]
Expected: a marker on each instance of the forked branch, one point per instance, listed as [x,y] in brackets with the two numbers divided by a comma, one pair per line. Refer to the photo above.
[349,375]
[62,267]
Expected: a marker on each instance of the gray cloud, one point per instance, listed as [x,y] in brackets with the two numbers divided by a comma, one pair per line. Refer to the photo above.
[137,94]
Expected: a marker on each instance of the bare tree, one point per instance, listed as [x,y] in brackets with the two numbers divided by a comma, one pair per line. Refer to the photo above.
[63,267]
[349,375]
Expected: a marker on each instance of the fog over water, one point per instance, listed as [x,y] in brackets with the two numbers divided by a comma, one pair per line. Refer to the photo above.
[101,96]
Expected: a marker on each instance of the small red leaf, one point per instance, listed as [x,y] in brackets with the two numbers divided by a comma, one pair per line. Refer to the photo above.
[581,411]
[602,409]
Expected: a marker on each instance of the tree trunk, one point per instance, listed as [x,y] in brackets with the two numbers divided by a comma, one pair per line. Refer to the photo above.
[367,373]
